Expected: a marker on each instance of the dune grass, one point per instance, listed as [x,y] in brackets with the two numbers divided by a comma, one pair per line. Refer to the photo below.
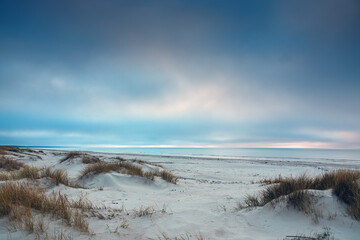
[186,236]
[5,149]
[71,155]
[24,172]
[168,176]
[125,167]
[325,235]
[142,162]
[89,159]
[10,164]
[344,184]
[85,158]
[9,150]
[57,176]
[144,211]
[19,198]
[121,166]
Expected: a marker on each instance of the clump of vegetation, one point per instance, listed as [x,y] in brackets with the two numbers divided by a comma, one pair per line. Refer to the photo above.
[57,176]
[105,167]
[349,192]
[149,175]
[326,235]
[28,172]
[25,172]
[5,149]
[83,203]
[144,211]
[71,155]
[300,200]
[168,176]
[344,184]
[125,167]
[145,162]
[88,159]
[9,164]
[186,236]
[271,180]
[16,199]
[9,150]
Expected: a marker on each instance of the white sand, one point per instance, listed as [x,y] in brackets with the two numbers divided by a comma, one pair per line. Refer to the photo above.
[203,201]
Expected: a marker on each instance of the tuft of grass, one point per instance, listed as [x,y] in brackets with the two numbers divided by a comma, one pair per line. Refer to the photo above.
[149,175]
[326,235]
[9,150]
[300,200]
[79,222]
[101,167]
[186,236]
[349,192]
[71,155]
[4,149]
[142,162]
[344,184]
[168,176]
[82,203]
[9,164]
[28,172]
[17,199]
[271,180]
[5,176]
[129,168]
[105,167]
[142,211]
[88,159]
[57,176]
[133,170]
[250,201]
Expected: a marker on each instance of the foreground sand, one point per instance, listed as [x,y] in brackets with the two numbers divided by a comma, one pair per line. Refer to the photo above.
[203,202]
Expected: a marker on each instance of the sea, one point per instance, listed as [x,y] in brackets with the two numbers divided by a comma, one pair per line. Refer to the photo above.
[281,153]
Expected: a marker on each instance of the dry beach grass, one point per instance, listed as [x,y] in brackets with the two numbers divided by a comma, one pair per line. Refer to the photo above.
[125,167]
[19,198]
[344,184]
[105,200]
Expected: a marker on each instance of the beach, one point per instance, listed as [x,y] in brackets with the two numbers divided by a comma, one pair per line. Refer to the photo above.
[203,204]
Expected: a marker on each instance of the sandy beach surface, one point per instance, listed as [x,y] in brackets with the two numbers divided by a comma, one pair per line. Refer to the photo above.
[203,202]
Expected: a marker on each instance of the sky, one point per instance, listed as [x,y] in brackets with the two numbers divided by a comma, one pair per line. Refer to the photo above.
[180,73]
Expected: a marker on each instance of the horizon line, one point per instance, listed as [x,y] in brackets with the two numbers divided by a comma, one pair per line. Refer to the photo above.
[175,146]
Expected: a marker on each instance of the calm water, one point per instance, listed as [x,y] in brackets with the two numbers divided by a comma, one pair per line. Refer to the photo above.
[231,152]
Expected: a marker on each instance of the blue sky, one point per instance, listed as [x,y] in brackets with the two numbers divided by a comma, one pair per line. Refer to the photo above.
[180,73]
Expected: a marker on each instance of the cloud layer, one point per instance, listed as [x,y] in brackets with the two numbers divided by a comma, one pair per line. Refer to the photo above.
[249,73]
